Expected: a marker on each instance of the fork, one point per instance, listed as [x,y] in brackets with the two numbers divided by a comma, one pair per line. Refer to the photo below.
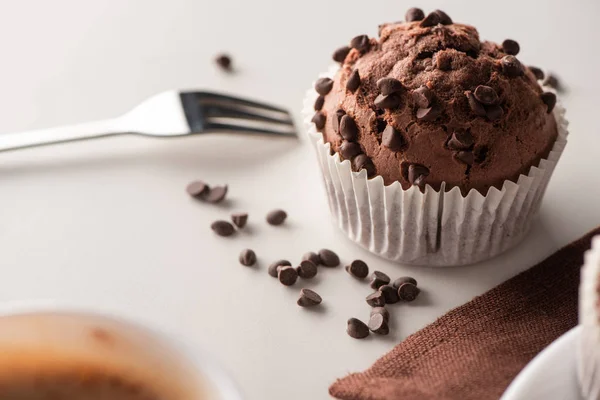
[169,114]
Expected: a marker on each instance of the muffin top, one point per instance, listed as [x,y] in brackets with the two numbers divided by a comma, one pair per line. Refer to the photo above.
[429,103]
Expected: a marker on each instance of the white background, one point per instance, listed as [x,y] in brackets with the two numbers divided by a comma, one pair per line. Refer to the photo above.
[107,224]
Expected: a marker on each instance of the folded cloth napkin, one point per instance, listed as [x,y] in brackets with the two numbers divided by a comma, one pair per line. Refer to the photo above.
[477,349]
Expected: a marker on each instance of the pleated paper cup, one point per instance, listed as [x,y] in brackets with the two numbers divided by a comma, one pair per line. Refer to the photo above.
[589,318]
[431,228]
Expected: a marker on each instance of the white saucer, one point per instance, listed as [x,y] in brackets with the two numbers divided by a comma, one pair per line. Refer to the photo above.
[552,374]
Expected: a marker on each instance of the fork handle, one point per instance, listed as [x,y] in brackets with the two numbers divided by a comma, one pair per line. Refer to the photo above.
[88,130]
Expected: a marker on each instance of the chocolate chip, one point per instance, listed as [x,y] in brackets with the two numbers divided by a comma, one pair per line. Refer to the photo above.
[429,114]
[224,61]
[340,54]
[549,100]
[276,217]
[414,14]
[512,67]
[443,60]
[553,82]
[480,154]
[404,279]
[353,81]
[362,161]
[477,108]
[417,174]
[537,72]
[494,113]
[247,257]
[358,269]
[387,102]
[361,43]
[422,96]
[465,157]
[392,139]
[274,267]
[323,86]
[378,324]
[376,299]
[408,292]
[486,95]
[328,258]
[511,47]
[461,140]
[349,149]
[378,279]
[308,298]
[197,189]
[222,228]
[389,86]
[287,276]
[357,329]
[444,18]
[335,122]
[306,270]
[239,219]
[432,19]
[216,194]
[381,310]
[390,294]
[319,120]
[348,128]
[312,256]
[319,103]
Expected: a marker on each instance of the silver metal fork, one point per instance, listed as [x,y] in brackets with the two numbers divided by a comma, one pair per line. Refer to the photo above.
[169,114]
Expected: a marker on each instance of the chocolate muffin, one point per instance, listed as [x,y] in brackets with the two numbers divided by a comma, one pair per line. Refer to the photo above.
[429,102]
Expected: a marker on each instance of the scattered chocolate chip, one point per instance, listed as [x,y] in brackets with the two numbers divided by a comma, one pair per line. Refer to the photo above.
[404,279]
[429,114]
[494,113]
[357,329]
[511,47]
[512,67]
[432,19]
[422,96]
[222,228]
[319,120]
[417,174]
[224,61]
[358,269]
[480,154]
[335,121]
[353,81]
[328,258]
[312,256]
[378,279]
[323,86]
[349,149]
[443,60]
[307,269]
[444,18]
[549,100]
[309,298]
[287,275]
[537,72]
[376,299]
[461,140]
[465,156]
[392,139]
[319,103]
[390,294]
[239,219]
[414,14]
[197,189]
[378,324]
[340,54]
[276,217]
[216,194]
[389,86]
[408,292]
[247,257]
[486,95]
[362,161]
[553,82]
[381,310]
[477,108]
[348,128]
[387,102]
[274,267]
[361,43]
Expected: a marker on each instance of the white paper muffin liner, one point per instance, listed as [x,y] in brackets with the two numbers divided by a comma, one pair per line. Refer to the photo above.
[434,228]
[589,318]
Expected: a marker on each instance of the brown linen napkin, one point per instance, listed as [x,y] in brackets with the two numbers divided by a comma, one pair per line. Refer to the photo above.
[477,349]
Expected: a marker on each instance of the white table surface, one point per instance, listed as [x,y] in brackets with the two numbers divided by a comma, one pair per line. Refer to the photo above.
[107,224]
